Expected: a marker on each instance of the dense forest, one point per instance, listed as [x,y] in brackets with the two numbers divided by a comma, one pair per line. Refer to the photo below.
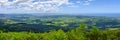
[58,27]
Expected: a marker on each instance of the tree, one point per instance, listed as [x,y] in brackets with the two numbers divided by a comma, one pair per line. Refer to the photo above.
[93,34]
[78,33]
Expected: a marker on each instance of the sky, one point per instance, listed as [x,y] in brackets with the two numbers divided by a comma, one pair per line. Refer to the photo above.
[59,6]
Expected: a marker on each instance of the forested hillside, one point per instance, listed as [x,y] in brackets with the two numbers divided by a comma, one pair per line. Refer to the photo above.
[45,23]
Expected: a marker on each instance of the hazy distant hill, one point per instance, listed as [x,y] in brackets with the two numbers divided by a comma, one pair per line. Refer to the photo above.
[117,15]
[50,14]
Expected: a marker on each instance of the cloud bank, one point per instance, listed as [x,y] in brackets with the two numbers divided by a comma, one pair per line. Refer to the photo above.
[42,5]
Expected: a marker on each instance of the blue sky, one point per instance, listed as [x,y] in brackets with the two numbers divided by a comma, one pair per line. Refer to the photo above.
[60,6]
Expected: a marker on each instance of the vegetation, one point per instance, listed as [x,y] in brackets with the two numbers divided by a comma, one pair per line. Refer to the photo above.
[80,33]
[58,27]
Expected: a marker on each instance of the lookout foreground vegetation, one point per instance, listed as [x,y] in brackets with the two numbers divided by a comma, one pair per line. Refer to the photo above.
[80,33]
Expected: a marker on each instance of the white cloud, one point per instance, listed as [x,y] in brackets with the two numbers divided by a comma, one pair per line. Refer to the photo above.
[42,5]
[87,2]
[74,6]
